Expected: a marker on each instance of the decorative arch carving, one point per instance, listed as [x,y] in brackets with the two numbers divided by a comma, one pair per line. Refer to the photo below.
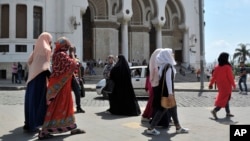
[100,7]
[137,17]
[173,9]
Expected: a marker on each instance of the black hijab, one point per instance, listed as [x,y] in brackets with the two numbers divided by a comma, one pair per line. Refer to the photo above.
[223,59]
[122,67]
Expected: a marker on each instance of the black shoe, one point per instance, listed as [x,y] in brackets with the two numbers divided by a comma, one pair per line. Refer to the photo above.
[229,115]
[25,128]
[80,110]
[214,114]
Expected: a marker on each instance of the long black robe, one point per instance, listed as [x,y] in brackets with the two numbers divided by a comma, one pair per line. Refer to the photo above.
[123,100]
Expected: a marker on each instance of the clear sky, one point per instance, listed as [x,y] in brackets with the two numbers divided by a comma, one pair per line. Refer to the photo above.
[227,25]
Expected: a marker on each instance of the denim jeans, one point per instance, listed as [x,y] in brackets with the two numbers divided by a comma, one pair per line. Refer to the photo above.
[243,80]
[14,78]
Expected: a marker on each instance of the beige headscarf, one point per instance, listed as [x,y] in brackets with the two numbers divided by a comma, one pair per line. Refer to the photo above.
[165,57]
[39,59]
[153,68]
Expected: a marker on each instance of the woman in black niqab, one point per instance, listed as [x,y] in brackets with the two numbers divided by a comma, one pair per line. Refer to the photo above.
[122,99]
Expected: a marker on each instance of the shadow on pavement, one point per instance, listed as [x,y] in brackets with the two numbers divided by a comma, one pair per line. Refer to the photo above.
[225,120]
[18,134]
[108,116]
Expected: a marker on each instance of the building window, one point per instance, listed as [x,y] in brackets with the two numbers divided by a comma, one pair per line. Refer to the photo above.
[21,48]
[37,21]
[21,21]
[4,21]
[4,48]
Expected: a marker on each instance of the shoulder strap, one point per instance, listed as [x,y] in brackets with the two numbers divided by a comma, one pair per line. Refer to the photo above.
[163,77]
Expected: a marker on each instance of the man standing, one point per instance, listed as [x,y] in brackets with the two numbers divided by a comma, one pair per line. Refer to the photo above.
[243,78]
[19,72]
[77,83]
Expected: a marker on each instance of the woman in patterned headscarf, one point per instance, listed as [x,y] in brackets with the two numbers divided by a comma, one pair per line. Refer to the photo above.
[39,66]
[60,113]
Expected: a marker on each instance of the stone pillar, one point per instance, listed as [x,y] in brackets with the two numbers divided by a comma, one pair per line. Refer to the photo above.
[12,26]
[158,37]
[30,21]
[159,21]
[185,43]
[125,39]
[123,17]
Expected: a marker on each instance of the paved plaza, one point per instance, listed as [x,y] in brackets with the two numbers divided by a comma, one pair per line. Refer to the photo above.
[193,111]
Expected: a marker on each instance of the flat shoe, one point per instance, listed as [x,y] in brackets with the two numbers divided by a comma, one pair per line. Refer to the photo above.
[77,131]
[229,115]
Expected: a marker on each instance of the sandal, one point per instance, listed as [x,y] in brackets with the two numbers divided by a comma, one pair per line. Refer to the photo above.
[47,136]
[77,131]
[42,136]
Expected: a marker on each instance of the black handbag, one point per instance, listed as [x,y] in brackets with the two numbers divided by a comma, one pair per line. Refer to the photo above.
[82,88]
[108,88]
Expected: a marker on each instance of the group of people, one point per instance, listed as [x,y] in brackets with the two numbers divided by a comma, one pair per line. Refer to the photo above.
[49,103]
[48,98]
[123,100]
[161,68]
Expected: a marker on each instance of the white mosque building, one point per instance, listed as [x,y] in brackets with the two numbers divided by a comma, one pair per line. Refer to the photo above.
[134,28]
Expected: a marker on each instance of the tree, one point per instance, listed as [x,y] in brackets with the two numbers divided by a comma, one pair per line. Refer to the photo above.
[242,53]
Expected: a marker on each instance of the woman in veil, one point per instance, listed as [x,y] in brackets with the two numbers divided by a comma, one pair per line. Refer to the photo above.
[122,99]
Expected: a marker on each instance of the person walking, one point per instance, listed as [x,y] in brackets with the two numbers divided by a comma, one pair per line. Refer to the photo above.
[14,73]
[166,62]
[59,98]
[154,80]
[77,82]
[106,72]
[223,76]
[35,94]
[148,111]
[122,99]
[243,78]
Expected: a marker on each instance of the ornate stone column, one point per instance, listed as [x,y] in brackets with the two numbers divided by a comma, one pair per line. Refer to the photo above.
[123,17]
[159,20]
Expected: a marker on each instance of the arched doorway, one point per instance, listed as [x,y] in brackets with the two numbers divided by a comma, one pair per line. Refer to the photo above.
[87,36]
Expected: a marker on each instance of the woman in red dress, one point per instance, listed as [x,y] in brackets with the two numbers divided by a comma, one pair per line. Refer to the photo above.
[60,113]
[223,76]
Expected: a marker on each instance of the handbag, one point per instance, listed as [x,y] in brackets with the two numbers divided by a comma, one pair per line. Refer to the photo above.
[166,102]
[108,88]
[82,88]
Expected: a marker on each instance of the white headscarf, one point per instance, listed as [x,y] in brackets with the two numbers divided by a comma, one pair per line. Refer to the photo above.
[153,68]
[165,57]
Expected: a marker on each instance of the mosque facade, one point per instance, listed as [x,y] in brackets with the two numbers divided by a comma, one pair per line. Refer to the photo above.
[98,28]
